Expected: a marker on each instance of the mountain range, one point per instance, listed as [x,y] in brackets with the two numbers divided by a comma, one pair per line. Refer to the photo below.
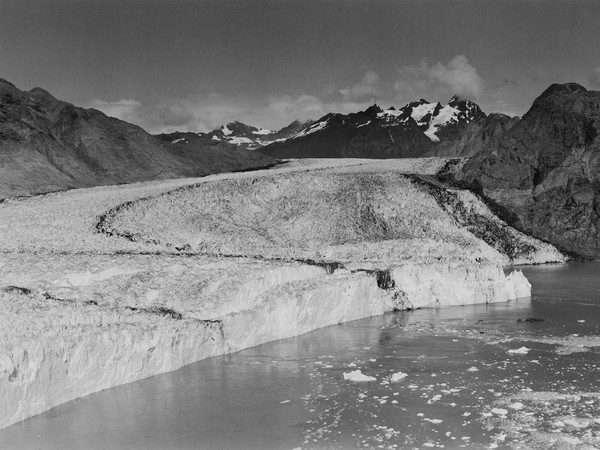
[420,128]
[234,135]
[50,145]
[417,129]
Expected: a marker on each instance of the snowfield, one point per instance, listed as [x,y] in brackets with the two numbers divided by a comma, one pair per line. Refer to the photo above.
[108,285]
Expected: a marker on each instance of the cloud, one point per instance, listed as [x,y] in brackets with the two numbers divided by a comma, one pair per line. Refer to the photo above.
[594,78]
[302,107]
[457,77]
[124,109]
[367,87]
[213,109]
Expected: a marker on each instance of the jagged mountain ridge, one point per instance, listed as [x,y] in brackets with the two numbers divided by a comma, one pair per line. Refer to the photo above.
[414,130]
[235,135]
[49,145]
[545,169]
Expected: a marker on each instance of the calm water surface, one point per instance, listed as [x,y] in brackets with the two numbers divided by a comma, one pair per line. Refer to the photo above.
[465,386]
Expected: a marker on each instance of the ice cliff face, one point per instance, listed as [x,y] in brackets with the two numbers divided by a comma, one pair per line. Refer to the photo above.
[59,349]
[84,308]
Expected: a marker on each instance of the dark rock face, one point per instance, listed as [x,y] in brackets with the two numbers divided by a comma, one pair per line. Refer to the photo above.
[475,136]
[49,145]
[373,133]
[546,169]
[455,117]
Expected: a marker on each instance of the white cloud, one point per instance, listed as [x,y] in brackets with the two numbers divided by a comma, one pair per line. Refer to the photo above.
[302,107]
[424,80]
[594,78]
[367,87]
[124,109]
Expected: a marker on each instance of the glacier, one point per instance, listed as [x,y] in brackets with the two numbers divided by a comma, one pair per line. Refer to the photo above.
[88,307]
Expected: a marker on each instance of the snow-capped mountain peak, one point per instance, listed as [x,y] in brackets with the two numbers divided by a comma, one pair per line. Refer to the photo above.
[236,133]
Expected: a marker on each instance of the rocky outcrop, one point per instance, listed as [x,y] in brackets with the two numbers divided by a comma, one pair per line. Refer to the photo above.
[545,169]
[84,308]
[475,136]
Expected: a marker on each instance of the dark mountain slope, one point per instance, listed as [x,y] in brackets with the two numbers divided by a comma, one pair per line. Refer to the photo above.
[372,133]
[546,169]
[414,130]
[475,136]
[48,145]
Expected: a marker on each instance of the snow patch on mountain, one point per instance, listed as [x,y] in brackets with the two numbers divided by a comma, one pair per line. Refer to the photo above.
[237,140]
[317,126]
[448,114]
[423,112]
[392,117]
[262,132]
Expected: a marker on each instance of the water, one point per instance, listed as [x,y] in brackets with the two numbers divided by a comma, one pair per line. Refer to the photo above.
[463,387]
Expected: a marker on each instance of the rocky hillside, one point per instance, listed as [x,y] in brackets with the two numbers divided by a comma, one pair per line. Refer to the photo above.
[475,136]
[49,145]
[234,135]
[546,169]
[414,130]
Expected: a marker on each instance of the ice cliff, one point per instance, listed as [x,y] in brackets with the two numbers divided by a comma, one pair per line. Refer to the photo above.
[104,286]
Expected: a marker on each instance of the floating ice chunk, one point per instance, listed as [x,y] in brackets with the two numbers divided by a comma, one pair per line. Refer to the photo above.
[357,375]
[351,365]
[434,399]
[398,376]
[472,369]
[433,420]
[516,406]
[520,351]
[500,411]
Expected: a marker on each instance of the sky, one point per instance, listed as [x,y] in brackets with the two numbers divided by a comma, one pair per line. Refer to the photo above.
[194,65]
